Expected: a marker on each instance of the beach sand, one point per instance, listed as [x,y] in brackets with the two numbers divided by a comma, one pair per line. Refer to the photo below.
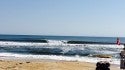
[48,65]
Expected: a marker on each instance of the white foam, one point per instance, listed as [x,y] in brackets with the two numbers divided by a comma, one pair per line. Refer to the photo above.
[65,47]
[112,49]
[65,58]
[57,43]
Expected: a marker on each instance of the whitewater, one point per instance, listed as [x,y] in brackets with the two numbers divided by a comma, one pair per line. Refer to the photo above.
[60,50]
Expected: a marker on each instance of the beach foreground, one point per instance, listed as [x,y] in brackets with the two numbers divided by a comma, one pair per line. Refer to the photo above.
[48,65]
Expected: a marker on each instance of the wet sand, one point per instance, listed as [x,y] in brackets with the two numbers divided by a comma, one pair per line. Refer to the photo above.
[48,65]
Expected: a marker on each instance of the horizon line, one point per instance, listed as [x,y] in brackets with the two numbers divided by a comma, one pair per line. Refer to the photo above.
[61,35]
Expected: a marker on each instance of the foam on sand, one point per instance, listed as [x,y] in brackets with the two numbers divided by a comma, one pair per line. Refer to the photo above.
[54,57]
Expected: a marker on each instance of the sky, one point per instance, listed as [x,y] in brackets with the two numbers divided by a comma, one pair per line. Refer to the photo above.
[63,17]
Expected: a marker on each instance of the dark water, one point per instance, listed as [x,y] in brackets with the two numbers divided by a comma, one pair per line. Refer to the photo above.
[75,38]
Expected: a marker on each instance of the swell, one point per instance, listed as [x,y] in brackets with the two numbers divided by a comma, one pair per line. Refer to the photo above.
[57,41]
[89,42]
[25,40]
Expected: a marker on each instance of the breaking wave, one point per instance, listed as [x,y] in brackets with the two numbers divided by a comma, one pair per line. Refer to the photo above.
[55,49]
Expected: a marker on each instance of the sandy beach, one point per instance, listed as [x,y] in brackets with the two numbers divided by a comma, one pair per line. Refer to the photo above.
[48,65]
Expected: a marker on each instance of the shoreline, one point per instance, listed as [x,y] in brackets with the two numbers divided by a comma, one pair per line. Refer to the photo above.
[27,64]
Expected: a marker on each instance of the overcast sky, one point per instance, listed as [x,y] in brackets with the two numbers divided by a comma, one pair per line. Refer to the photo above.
[63,17]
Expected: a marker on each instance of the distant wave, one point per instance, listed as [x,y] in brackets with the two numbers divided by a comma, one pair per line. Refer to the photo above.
[89,42]
[62,41]
[25,40]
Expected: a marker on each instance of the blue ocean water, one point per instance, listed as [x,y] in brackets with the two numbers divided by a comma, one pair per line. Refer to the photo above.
[57,47]
[74,38]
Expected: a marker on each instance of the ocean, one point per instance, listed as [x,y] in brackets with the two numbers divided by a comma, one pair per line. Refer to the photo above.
[68,48]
